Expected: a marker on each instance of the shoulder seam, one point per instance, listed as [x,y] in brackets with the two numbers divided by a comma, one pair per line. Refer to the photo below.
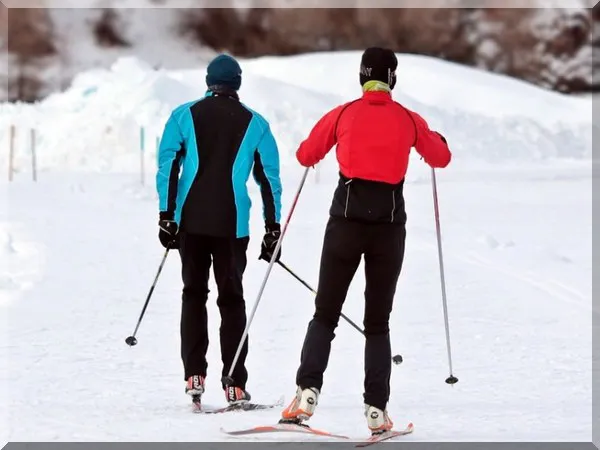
[186,106]
[407,111]
[344,107]
[262,122]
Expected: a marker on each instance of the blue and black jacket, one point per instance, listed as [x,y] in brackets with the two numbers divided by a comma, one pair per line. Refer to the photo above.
[208,150]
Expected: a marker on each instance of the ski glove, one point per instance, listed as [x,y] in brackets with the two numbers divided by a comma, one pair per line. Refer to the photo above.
[269,242]
[168,232]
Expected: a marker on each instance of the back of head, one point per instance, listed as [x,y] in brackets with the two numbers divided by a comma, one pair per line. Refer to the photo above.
[224,72]
[378,64]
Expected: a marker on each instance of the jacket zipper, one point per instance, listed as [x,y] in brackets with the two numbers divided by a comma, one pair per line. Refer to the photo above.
[347,197]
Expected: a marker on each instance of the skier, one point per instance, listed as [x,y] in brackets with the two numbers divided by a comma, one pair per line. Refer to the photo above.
[216,142]
[374,136]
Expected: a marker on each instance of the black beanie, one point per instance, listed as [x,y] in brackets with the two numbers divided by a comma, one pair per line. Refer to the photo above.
[378,64]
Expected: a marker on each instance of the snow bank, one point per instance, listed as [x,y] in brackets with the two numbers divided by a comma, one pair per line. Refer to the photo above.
[453,88]
[7,252]
[95,125]
[21,262]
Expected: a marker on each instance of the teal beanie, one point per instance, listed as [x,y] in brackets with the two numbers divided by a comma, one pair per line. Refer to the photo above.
[224,70]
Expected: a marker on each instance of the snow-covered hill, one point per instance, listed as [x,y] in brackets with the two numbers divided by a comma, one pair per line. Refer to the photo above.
[79,250]
[95,125]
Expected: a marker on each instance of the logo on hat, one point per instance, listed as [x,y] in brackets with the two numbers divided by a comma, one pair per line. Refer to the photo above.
[391,76]
[366,71]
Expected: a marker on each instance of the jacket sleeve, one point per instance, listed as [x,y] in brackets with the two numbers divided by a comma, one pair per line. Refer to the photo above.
[431,145]
[320,140]
[266,175]
[169,156]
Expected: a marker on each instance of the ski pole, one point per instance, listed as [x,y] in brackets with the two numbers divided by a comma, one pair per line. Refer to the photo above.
[131,340]
[315,293]
[451,379]
[397,358]
[227,380]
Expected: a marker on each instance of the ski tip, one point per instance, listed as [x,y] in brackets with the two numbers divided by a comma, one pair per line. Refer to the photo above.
[386,435]
[409,429]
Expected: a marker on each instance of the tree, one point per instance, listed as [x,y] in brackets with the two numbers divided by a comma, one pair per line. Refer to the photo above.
[107,32]
[29,43]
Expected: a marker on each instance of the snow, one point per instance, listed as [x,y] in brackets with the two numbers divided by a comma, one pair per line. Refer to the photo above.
[82,251]
[458,89]
[486,118]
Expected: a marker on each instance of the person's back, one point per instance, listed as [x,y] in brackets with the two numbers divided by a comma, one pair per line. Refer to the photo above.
[224,141]
[374,137]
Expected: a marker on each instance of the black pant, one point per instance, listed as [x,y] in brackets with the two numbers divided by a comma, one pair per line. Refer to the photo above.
[383,248]
[229,258]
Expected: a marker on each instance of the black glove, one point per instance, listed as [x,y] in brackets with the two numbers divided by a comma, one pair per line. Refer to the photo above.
[168,232]
[269,242]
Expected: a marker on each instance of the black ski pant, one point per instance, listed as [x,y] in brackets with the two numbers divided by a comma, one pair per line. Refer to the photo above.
[344,245]
[228,258]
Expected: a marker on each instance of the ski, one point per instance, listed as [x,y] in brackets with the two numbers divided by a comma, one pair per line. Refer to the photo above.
[199,409]
[283,427]
[386,435]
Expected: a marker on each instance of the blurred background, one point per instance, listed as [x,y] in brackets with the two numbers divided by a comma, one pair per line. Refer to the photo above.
[549,47]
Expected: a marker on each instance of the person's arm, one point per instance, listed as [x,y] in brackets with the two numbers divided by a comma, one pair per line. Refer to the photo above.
[266,174]
[431,145]
[169,155]
[320,140]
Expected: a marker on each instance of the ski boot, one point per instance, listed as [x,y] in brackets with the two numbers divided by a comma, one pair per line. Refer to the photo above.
[378,421]
[195,388]
[236,395]
[302,406]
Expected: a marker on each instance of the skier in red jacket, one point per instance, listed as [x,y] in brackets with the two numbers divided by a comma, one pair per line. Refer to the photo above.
[374,136]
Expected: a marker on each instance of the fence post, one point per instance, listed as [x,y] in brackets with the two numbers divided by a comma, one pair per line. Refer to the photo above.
[142,144]
[11,152]
[33,157]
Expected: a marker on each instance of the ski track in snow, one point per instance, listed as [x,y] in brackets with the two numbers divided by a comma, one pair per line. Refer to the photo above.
[519,314]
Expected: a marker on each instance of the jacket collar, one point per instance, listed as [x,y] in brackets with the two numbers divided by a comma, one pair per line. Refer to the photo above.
[377,95]
[222,91]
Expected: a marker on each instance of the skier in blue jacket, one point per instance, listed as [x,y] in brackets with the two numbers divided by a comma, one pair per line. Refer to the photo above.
[208,150]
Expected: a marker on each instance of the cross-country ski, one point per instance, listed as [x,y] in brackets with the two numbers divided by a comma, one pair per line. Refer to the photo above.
[303,428]
[386,435]
[283,428]
[198,408]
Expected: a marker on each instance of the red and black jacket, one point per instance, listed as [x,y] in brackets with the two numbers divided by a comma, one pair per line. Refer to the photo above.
[374,136]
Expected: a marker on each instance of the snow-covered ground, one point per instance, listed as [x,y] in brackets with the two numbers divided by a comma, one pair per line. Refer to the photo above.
[81,251]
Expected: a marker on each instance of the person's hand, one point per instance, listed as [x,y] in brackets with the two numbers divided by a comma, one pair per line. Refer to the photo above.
[269,242]
[168,232]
